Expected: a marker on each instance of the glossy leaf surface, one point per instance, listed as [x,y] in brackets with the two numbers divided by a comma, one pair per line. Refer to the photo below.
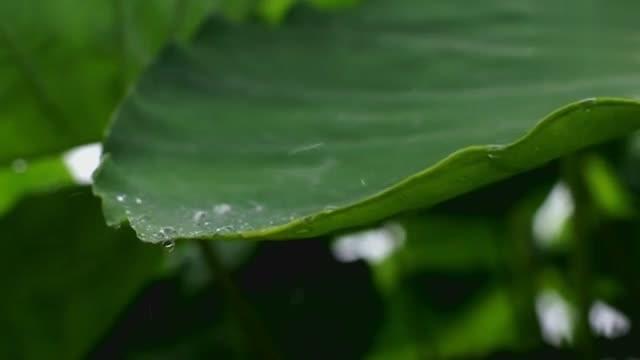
[340,120]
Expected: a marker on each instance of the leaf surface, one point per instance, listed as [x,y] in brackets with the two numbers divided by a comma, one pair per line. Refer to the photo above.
[334,121]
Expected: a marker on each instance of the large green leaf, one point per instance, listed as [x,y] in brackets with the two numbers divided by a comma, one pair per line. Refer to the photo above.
[65,64]
[341,120]
[61,285]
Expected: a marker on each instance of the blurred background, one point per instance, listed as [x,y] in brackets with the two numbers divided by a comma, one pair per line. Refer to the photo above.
[492,274]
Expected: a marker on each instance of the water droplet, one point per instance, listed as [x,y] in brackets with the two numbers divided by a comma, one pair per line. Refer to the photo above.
[121,198]
[222,209]
[138,201]
[363,182]
[19,165]
[330,208]
[167,232]
[257,207]
[588,103]
[224,229]
[492,156]
[170,245]
[128,212]
[142,218]
[199,217]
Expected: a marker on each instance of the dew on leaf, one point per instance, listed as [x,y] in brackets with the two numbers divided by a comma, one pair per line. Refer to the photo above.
[588,103]
[167,231]
[224,229]
[199,217]
[19,166]
[170,245]
[121,198]
[257,207]
[222,209]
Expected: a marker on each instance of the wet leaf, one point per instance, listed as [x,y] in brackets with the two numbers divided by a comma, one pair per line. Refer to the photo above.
[341,120]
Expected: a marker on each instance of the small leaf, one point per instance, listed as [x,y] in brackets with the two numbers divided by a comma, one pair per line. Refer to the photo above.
[339,121]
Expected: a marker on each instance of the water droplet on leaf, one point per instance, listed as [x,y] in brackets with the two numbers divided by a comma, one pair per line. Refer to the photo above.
[199,217]
[222,209]
[224,229]
[19,165]
[167,232]
[170,245]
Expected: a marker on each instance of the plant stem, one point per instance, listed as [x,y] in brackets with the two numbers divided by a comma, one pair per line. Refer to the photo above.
[523,279]
[254,332]
[582,227]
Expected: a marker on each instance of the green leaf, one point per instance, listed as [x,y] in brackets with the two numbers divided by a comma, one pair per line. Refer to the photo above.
[343,120]
[606,189]
[460,334]
[62,286]
[65,64]
[22,178]
[442,292]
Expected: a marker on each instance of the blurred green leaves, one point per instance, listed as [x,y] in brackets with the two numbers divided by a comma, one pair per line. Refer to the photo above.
[22,178]
[443,292]
[64,65]
[606,189]
[64,275]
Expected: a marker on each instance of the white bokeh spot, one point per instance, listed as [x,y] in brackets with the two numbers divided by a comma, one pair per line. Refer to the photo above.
[607,321]
[554,212]
[82,161]
[555,317]
[372,246]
